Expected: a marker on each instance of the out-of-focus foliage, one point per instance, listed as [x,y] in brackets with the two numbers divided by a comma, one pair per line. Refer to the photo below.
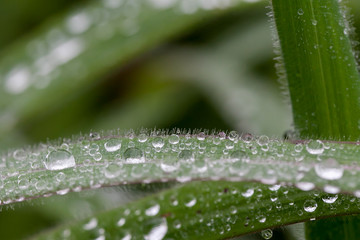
[214,70]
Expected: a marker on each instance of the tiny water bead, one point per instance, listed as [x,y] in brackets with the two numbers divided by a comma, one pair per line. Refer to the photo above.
[310,205]
[59,159]
[158,142]
[153,210]
[329,169]
[113,170]
[174,139]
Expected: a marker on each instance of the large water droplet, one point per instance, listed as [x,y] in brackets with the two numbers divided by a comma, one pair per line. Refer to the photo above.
[300,11]
[113,145]
[59,159]
[315,147]
[310,205]
[134,155]
[329,169]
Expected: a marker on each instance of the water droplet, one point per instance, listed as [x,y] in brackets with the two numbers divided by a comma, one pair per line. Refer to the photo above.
[59,159]
[300,11]
[134,155]
[142,138]
[305,186]
[152,211]
[233,136]
[158,230]
[186,155]
[169,165]
[20,154]
[121,222]
[315,147]
[310,205]
[329,198]
[91,224]
[174,139]
[201,136]
[314,22]
[113,170]
[329,169]
[248,193]
[191,202]
[113,145]
[158,142]
[267,233]
[263,140]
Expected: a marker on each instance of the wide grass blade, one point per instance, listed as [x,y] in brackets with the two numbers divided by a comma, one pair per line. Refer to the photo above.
[320,67]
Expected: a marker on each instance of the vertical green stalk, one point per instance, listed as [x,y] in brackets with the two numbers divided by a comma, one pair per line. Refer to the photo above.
[324,83]
[320,67]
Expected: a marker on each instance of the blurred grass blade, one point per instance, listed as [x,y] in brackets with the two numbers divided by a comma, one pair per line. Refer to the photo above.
[344,227]
[74,51]
[210,210]
[320,68]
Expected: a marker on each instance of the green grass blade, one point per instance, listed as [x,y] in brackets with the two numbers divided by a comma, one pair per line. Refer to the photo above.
[118,158]
[320,68]
[208,210]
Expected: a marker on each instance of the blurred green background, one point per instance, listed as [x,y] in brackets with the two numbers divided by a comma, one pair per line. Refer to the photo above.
[192,67]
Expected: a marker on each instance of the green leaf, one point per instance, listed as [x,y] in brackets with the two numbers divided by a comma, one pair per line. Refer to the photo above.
[210,210]
[320,68]
[121,158]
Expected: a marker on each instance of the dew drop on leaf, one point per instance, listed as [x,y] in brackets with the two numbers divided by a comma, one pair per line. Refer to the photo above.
[300,11]
[91,224]
[329,198]
[310,205]
[121,222]
[112,170]
[153,210]
[158,230]
[248,193]
[133,155]
[174,139]
[112,145]
[59,159]
[267,233]
[329,169]
[158,142]
[315,147]
[186,155]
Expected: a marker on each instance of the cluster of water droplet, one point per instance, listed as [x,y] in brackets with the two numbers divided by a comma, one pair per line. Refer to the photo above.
[214,211]
[118,157]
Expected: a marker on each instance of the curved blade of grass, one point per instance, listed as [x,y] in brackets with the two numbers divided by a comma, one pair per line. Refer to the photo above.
[117,158]
[320,68]
[72,53]
[216,210]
